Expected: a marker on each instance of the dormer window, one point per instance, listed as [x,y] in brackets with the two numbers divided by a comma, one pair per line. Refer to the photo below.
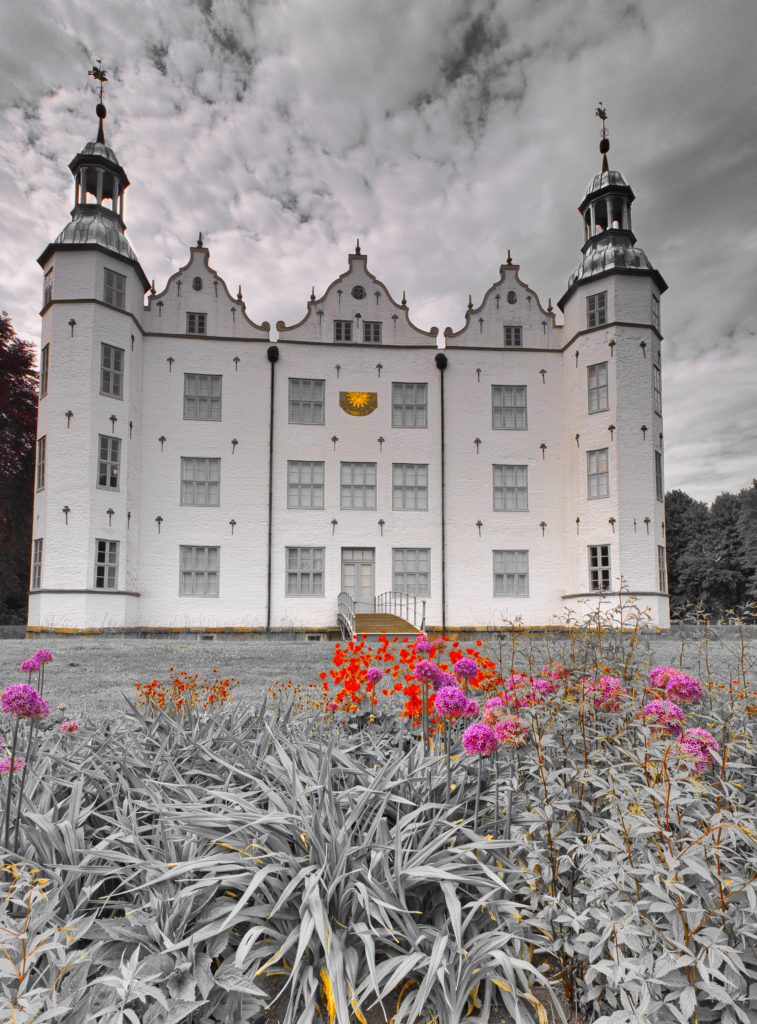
[342,330]
[513,337]
[596,309]
[114,291]
[197,323]
[372,332]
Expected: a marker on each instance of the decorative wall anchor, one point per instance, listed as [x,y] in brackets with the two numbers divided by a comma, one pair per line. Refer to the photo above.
[215,288]
[578,440]
[543,527]
[113,420]
[236,362]
[643,347]
[477,442]
[234,444]
[611,428]
[479,524]
[378,296]
[578,524]
[543,376]
[131,427]
[132,342]
[109,513]
[65,510]
[644,431]
[480,325]
[647,521]
[69,416]
[544,327]
[496,299]
[232,524]
[662,527]
[333,526]
[611,344]
[337,368]
[634,524]
[158,520]
[660,442]
[162,441]
[233,314]
[577,354]
[72,324]
[395,317]
[379,368]
[178,287]
[128,520]
[612,522]
[334,440]
[381,526]
[319,313]
[170,362]
[380,443]
[478,374]
[159,304]
[543,450]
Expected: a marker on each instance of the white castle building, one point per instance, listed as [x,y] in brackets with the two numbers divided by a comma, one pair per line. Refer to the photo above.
[193,474]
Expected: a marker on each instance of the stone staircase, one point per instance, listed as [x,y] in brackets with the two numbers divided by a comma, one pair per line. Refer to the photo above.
[376,624]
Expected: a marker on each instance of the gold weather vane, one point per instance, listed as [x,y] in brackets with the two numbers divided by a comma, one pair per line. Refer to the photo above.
[100,75]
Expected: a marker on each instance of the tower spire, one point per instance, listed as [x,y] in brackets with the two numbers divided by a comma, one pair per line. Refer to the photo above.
[100,75]
[604,138]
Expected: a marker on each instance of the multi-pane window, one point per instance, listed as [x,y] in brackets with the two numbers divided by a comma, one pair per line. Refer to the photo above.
[47,287]
[598,473]
[411,571]
[596,309]
[305,484]
[656,311]
[106,564]
[599,567]
[658,479]
[44,370]
[357,485]
[409,405]
[41,453]
[197,323]
[111,371]
[509,408]
[662,569]
[108,462]
[511,574]
[599,399]
[37,563]
[114,290]
[199,570]
[202,396]
[510,488]
[372,332]
[657,384]
[410,486]
[306,400]
[342,330]
[305,572]
[200,481]
[513,337]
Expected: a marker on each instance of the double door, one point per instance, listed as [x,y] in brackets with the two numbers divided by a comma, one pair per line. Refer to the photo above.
[359,576]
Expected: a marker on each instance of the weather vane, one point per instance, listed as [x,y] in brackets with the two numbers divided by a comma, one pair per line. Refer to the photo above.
[601,113]
[604,139]
[100,75]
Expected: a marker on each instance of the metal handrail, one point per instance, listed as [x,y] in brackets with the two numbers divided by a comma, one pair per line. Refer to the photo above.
[397,602]
[345,615]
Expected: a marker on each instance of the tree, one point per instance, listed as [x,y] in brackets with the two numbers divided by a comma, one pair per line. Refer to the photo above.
[748,530]
[18,434]
[686,522]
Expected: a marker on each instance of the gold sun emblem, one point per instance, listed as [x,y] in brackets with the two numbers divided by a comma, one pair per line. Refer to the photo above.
[358,399]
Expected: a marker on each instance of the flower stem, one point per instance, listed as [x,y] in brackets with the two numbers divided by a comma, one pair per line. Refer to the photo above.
[7,823]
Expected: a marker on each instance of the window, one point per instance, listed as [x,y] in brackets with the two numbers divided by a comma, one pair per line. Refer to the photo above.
[511,574]
[342,330]
[305,484]
[596,309]
[411,571]
[202,396]
[656,311]
[657,383]
[510,488]
[513,337]
[306,400]
[106,564]
[598,473]
[37,563]
[662,568]
[108,462]
[114,291]
[111,371]
[47,287]
[410,486]
[304,572]
[409,405]
[200,481]
[197,323]
[358,485]
[372,332]
[599,567]
[199,571]
[509,407]
[44,370]
[598,390]
[658,479]
[41,452]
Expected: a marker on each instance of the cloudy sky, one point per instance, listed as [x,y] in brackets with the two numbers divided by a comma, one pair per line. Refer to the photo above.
[442,132]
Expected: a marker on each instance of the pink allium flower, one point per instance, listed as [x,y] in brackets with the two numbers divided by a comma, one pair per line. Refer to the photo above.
[466,668]
[666,714]
[68,726]
[423,645]
[701,746]
[479,739]
[5,765]
[683,688]
[425,671]
[44,656]
[607,692]
[660,674]
[450,702]
[443,679]
[472,709]
[22,700]
[511,732]
[30,665]
[374,675]
[332,706]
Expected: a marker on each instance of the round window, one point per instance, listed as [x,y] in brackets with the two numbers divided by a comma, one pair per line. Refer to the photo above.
[358,292]
[512,298]
[197,284]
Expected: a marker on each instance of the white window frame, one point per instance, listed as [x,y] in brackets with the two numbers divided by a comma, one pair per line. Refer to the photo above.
[358,485]
[203,394]
[511,576]
[343,330]
[410,486]
[112,362]
[409,405]
[305,572]
[657,388]
[305,484]
[200,481]
[37,552]
[199,570]
[598,386]
[508,413]
[662,569]
[411,571]
[307,401]
[108,462]
[106,564]
[47,287]
[371,332]
[44,369]
[598,473]
[596,309]
[197,323]
[41,462]
[510,488]
[114,288]
[600,578]
[513,336]
[659,476]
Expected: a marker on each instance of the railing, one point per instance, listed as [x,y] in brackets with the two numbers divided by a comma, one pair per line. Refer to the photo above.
[407,606]
[345,615]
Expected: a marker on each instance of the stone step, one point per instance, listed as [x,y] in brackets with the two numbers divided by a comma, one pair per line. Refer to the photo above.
[381,624]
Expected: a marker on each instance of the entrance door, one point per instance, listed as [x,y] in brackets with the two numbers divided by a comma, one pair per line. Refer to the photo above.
[358,576]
